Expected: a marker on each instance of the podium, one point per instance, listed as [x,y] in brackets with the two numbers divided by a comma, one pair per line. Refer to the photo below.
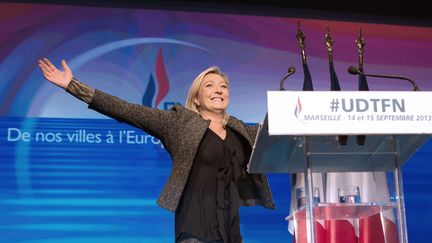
[312,147]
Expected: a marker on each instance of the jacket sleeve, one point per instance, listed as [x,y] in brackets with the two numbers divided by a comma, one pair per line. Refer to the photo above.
[253,130]
[80,90]
[153,121]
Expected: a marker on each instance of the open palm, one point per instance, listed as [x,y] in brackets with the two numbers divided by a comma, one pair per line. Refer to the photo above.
[54,75]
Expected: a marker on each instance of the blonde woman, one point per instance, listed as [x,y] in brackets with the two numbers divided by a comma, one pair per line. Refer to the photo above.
[209,149]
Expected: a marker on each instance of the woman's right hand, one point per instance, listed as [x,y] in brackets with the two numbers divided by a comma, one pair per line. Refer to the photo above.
[55,76]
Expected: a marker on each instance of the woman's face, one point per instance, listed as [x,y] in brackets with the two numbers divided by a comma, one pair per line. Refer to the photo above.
[213,94]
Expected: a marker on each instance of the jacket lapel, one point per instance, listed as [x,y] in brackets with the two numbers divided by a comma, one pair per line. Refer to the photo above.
[239,127]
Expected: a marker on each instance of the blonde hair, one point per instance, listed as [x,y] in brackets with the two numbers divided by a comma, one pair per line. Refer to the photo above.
[194,88]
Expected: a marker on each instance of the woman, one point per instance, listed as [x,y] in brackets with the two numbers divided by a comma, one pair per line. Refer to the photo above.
[209,149]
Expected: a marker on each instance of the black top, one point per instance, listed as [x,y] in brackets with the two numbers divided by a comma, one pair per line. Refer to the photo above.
[208,209]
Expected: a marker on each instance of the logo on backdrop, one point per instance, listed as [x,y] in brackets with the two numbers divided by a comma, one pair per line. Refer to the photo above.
[158,86]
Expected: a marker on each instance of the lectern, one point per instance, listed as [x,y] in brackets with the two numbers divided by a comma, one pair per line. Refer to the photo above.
[301,135]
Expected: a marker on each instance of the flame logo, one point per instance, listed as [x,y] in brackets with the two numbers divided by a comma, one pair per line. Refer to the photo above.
[153,93]
[298,108]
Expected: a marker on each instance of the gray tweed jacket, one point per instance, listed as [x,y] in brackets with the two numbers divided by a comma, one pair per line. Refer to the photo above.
[180,130]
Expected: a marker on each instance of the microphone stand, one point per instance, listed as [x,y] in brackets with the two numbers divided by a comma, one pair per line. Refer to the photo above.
[291,71]
[355,71]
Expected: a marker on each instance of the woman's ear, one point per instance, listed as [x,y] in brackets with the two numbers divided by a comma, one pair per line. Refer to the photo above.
[196,101]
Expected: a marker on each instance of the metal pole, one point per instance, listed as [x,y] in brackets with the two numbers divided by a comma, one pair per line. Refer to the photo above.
[402,227]
[310,219]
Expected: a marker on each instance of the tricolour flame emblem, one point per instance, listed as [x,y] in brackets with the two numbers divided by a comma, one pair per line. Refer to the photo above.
[156,89]
[298,108]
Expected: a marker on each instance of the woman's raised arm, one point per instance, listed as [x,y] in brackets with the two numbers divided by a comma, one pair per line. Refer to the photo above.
[151,120]
[54,75]
[65,80]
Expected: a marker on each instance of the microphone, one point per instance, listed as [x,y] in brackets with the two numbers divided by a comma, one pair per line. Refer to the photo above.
[355,71]
[291,71]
